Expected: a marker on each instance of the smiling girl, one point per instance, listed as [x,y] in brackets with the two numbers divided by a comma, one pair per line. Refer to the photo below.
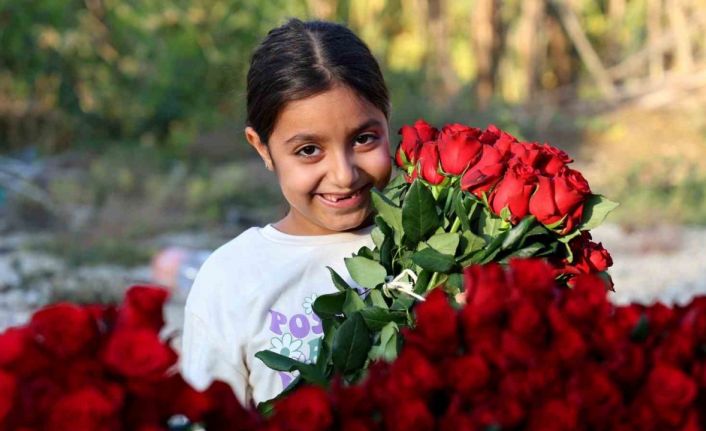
[318,113]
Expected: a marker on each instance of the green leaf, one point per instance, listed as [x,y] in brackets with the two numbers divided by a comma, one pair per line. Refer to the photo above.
[351,345]
[471,242]
[461,212]
[377,299]
[445,243]
[365,272]
[389,342]
[330,305]
[432,260]
[455,282]
[376,318]
[352,303]
[516,234]
[419,216]
[595,210]
[278,362]
[490,225]
[528,251]
[390,213]
[338,281]
[377,236]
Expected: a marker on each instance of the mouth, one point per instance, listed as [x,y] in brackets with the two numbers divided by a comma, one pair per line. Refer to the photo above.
[340,200]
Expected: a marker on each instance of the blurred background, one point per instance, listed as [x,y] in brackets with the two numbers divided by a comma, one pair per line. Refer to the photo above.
[122,157]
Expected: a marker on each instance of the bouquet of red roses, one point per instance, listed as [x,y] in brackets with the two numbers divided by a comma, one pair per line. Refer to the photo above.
[466,196]
[104,368]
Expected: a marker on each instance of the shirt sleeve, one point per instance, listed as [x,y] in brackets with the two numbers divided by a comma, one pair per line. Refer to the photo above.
[204,360]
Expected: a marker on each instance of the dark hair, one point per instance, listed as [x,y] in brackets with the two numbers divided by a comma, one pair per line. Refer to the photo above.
[301,59]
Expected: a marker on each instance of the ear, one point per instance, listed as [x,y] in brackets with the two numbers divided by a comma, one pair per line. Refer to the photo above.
[259,146]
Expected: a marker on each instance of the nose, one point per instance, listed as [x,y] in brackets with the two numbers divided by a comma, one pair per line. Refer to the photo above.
[344,170]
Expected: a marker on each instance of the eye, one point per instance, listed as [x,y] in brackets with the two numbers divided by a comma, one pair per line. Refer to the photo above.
[366,138]
[308,151]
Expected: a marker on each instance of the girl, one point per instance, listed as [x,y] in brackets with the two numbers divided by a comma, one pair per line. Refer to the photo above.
[318,112]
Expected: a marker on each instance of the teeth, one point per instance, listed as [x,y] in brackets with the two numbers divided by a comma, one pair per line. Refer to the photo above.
[334,198]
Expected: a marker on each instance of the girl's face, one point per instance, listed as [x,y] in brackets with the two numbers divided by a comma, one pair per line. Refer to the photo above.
[328,151]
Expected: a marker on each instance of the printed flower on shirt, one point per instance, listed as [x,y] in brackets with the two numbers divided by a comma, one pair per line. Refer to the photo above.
[309,302]
[287,345]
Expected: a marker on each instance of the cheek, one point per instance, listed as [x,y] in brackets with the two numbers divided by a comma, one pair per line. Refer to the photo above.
[296,183]
[378,165]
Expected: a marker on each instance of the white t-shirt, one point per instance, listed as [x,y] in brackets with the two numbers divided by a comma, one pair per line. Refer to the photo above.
[255,293]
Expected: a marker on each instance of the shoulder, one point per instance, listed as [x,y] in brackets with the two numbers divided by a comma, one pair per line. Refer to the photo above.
[230,269]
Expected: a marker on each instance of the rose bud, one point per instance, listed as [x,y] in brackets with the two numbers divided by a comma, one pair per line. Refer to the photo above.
[429,163]
[553,160]
[528,153]
[485,173]
[458,150]
[408,150]
[490,135]
[560,197]
[514,191]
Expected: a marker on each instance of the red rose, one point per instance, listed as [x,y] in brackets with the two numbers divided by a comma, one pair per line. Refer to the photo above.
[487,293]
[429,163]
[460,128]
[600,399]
[457,151]
[527,322]
[138,353]
[227,414]
[513,191]
[671,393]
[560,197]
[534,276]
[8,387]
[554,415]
[587,300]
[142,308]
[529,153]
[553,160]
[436,330]
[490,135]
[589,257]
[84,410]
[467,374]
[63,329]
[485,173]
[410,415]
[425,131]
[411,375]
[13,343]
[412,139]
[307,408]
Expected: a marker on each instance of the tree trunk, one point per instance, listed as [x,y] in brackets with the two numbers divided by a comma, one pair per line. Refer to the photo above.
[684,60]
[488,34]
[654,36]
[530,42]
[588,55]
[442,78]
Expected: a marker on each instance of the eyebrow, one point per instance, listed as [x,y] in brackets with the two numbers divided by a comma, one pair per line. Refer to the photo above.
[314,137]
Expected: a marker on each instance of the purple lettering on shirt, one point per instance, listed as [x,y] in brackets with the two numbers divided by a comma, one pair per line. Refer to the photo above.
[299,325]
[286,379]
[318,328]
[277,320]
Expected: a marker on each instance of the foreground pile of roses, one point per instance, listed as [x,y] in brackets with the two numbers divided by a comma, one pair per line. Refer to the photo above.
[102,368]
[525,354]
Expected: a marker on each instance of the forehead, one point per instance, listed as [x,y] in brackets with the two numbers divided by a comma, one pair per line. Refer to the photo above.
[334,112]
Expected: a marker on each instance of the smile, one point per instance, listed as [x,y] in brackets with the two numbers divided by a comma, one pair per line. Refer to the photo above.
[338,200]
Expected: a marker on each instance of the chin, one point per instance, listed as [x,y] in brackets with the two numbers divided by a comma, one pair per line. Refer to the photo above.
[349,223]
